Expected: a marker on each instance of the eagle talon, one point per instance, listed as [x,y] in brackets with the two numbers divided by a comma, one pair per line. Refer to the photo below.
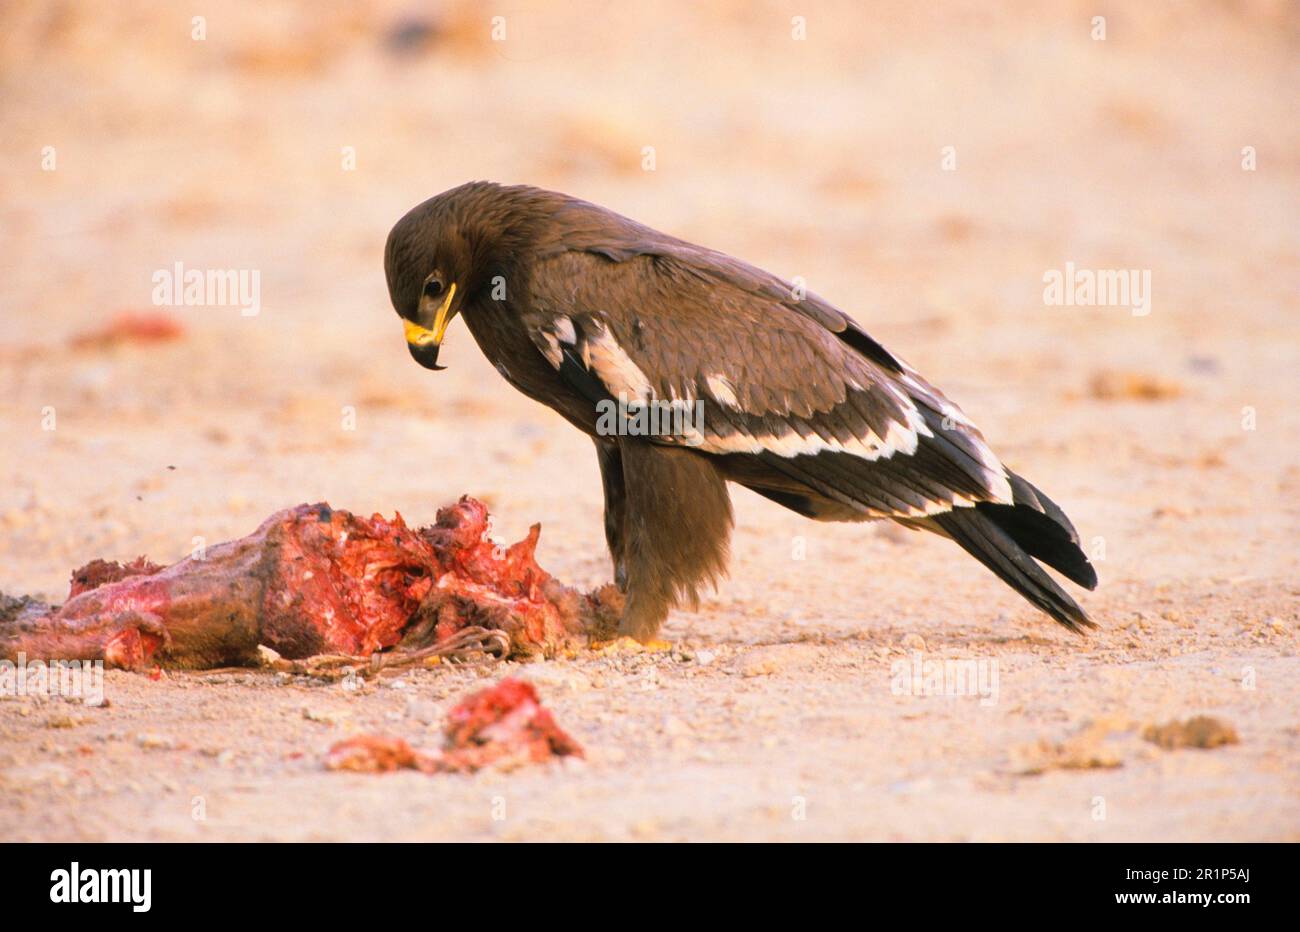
[625,644]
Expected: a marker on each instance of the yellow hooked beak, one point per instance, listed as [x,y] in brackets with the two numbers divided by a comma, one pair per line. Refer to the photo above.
[419,336]
[423,342]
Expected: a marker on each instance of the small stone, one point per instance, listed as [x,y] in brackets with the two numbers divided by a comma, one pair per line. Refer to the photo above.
[318,715]
[151,741]
[912,641]
[1201,731]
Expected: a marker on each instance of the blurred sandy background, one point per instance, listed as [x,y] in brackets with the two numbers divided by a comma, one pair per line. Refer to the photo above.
[818,158]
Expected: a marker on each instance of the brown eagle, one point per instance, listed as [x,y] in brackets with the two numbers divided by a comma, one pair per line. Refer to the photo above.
[689,369]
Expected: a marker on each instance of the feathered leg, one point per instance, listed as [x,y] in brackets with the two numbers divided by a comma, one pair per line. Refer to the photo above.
[611,476]
[677,527]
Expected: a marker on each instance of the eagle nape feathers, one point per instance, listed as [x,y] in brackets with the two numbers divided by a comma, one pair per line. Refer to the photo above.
[691,369]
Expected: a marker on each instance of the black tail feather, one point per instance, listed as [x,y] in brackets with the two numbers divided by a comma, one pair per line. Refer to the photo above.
[1026,493]
[1006,541]
[1043,539]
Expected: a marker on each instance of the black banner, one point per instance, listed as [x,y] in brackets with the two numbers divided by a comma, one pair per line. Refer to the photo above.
[369,881]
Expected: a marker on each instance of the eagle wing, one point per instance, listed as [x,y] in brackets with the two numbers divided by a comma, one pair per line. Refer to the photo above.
[761,378]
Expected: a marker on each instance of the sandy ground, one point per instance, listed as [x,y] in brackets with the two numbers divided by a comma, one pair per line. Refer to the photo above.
[775,716]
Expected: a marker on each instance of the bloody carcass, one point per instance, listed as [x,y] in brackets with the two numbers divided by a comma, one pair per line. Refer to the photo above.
[312,581]
[503,726]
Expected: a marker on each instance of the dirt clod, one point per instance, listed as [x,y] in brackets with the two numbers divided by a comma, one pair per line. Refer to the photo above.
[1201,731]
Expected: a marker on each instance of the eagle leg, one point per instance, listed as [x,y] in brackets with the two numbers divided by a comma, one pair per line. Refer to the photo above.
[611,476]
[676,531]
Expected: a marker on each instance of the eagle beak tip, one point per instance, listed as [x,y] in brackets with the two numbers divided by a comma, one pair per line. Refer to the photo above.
[424,343]
[426,354]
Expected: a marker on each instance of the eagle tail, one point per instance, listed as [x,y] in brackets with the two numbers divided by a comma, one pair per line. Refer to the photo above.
[1008,538]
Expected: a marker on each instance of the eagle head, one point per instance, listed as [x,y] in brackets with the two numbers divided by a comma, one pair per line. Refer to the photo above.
[458,247]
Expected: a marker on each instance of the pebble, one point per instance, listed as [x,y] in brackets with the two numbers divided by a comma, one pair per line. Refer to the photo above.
[318,715]
[912,641]
[151,741]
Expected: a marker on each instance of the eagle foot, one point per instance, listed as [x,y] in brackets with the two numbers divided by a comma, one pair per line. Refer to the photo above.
[630,645]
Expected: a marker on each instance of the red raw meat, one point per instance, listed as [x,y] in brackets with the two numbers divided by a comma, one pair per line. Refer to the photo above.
[98,572]
[314,580]
[378,754]
[132,327]
[503,726]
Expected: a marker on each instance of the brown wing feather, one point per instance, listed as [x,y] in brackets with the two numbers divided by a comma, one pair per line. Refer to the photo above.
[772,383]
